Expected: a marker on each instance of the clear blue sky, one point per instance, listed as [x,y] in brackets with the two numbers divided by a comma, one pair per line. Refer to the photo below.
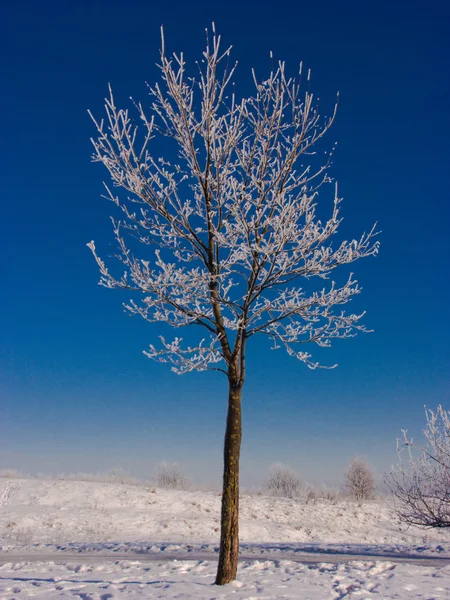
[76,391]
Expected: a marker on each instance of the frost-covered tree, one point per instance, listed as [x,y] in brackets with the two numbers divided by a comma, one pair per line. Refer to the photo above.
[359,480]
[169,476]
[221,232]
[421,481]
[283,481]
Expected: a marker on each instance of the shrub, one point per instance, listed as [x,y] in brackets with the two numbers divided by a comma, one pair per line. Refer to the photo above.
[10,474]
[359,480]
[421,482]
[118,475]
[169,476]
[283,481]
[115,475]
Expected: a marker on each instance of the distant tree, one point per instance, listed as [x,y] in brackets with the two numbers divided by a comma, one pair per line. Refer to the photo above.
[169,476]
[283,481]
[421,481]
[10,474]
[232,217]
[359,480]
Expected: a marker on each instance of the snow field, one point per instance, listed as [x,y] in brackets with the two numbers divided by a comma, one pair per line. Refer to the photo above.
[68,511]
[194,579]
[70,516]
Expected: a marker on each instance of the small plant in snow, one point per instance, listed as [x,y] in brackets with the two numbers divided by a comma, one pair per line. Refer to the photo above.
[118,475]
[115,475]
[283,481]
[10,474]
[310,495]
[169,476]
[330,495]
[359,480]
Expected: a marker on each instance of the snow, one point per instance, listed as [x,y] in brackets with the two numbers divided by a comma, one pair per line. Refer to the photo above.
[194,579]
[115,520]
[48,511]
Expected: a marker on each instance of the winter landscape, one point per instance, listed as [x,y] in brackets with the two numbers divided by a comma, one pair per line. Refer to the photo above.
[104,540]
[225,246]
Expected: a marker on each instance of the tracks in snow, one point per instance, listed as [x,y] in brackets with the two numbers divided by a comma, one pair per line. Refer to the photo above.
[6,490]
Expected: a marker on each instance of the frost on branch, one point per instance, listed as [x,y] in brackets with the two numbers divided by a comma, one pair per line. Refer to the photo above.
[224,232]
[420,483]
[188,359]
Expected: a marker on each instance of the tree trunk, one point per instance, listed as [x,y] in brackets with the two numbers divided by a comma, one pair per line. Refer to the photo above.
[229,531]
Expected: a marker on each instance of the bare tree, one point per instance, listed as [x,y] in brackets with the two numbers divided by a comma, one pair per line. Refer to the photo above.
[232,216]
[169,476]
[421,481]
[283,481]
[359,480]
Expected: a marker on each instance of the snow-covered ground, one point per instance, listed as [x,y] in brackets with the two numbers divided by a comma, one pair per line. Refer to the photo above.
[89,517]
[193,579]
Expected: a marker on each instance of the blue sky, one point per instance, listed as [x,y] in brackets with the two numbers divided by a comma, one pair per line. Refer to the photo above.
[76,391]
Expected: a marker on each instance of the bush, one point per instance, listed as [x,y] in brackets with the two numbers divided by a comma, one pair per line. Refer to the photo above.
[359,480]
[283,481]
[10,474]
[115,475]
[420,483]
[169,476]
[118,475]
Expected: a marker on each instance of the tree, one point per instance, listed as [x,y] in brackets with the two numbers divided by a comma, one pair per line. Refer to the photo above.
[283,481]
[232,217]
[359,480]
[421,481]
[169,476]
